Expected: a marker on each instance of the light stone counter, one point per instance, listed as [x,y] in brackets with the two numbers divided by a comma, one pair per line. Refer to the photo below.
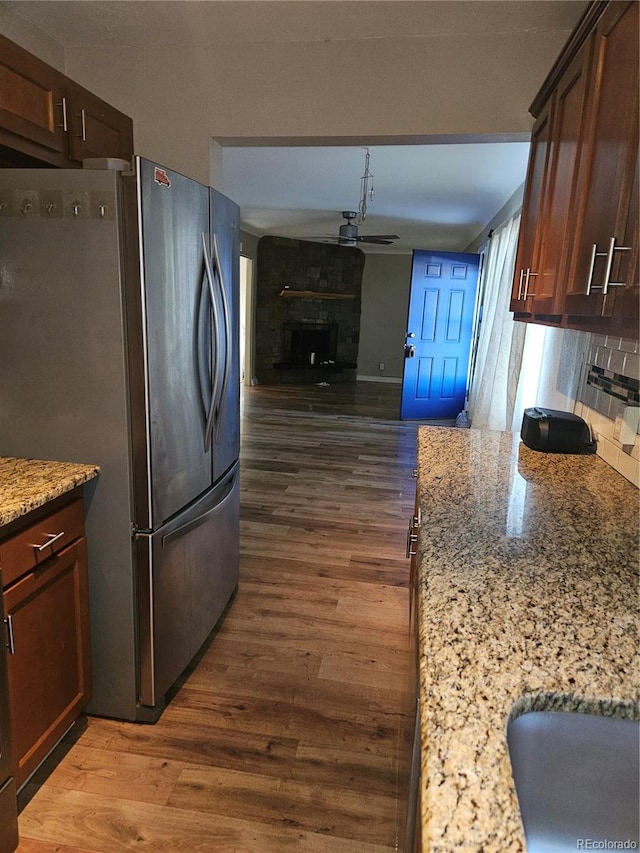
[27,484]
[528,598]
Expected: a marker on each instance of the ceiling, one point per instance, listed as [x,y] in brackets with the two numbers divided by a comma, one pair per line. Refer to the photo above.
[432,196]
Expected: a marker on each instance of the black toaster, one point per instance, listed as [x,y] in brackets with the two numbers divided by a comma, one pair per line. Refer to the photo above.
[552,431]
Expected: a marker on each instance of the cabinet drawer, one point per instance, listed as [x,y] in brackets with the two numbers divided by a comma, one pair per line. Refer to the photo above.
[39,540]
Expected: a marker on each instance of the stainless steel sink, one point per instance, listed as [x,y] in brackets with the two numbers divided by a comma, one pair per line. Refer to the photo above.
[577,780]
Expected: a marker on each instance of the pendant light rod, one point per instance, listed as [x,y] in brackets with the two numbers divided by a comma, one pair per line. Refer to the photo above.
[366,190]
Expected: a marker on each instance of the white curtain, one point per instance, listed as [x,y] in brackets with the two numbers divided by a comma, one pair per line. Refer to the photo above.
[499,351]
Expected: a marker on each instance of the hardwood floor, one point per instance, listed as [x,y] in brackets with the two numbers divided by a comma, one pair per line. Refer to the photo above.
[289,730]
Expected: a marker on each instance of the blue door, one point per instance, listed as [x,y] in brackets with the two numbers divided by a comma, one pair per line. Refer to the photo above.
[439,332]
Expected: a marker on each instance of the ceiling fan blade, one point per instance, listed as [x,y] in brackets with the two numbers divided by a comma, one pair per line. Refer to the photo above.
[381,239]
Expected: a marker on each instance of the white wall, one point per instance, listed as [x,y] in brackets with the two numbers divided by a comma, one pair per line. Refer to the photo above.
[31,38]
[423,80]
[383,321]
[509,209]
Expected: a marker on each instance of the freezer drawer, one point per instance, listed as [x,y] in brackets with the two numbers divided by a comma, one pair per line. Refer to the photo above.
[186,573]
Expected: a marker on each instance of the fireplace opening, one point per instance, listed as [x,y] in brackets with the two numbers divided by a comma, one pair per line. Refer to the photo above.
[310,343]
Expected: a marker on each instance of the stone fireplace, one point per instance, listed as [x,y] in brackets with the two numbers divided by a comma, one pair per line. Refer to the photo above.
[309,343]
[307,311]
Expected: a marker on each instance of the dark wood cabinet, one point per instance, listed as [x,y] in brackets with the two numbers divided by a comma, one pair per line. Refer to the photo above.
[409,830]
[8,809]
[48,119]
[94,128]
[577,263]
[626,269]
[47,624]
[530,237]
[603,259]
[31,106]
[568,134]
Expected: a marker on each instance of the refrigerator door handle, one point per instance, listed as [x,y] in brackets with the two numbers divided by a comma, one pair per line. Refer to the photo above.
[208,430]
[228,483]
[203,348]
[227,331]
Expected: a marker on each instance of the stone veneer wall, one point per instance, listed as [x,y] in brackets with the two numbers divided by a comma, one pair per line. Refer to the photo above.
[303,265]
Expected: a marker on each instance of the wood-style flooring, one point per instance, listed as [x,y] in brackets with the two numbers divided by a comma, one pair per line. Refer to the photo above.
[289,730]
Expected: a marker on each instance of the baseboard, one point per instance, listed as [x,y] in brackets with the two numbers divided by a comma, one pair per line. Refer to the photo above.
[395,379]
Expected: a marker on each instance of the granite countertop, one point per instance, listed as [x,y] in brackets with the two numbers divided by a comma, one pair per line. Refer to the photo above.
[527,599]
[27,484]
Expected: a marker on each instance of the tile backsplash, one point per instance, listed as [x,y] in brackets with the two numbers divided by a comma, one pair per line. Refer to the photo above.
[609,385]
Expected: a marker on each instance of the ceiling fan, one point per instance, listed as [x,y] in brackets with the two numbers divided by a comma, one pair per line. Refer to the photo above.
[348,233]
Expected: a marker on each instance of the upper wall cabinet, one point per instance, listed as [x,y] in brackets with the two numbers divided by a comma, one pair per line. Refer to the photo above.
[47,119]
[602,260]
[577,261]
[94,128]
[31,106]
[556,142]
[530,241]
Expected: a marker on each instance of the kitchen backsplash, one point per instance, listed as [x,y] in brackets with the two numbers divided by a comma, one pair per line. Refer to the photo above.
[610,383]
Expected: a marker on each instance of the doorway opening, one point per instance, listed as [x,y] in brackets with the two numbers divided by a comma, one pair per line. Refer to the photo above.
[261,174]
[247,371]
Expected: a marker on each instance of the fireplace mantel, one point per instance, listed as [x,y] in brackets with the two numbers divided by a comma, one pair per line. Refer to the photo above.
[314,294]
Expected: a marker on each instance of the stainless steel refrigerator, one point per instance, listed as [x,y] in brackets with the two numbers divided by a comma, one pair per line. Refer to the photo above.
[119,346]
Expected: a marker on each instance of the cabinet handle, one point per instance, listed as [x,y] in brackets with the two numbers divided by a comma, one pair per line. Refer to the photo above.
[411,540]
[612,248]
[52,537]
[527,292]
[10,644]
[523,285]
[592,265]
[412,537]
[604,287]
[63,104]
[82,135]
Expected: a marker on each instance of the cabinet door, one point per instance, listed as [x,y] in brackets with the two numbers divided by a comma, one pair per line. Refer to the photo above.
[530,237]
[95,128]
[606,179]
[8,816]
[568,132]
[622,302]
[49,656]
[31,105]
